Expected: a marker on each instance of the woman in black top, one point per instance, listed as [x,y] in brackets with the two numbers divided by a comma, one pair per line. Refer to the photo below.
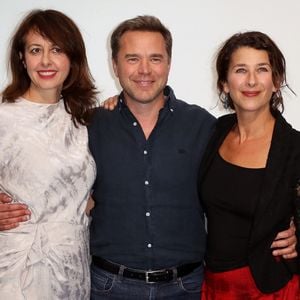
[251,176]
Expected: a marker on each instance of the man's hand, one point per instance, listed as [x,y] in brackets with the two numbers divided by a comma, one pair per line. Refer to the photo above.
[89,206]
[110,103]
[285,243]
[11,214]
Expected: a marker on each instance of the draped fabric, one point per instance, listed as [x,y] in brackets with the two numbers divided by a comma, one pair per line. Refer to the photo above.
[46,164]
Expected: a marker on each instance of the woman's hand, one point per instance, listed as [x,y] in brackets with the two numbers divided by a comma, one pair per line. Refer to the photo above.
[110,103]
[11,214]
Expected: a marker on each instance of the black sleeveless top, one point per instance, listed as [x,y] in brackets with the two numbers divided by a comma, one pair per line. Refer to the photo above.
[230,194]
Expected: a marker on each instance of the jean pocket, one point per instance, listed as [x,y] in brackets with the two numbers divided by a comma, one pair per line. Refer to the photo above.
[101,281]
[192,283]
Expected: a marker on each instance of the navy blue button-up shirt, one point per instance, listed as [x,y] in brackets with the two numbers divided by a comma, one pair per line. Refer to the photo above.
[147,212]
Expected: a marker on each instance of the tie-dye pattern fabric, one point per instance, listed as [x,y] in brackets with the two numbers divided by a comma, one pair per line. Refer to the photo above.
[45,163]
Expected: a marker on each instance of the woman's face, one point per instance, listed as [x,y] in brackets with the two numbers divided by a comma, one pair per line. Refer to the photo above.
[47,66]
[249,80]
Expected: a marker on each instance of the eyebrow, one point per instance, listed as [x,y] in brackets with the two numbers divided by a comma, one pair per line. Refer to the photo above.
[156,55]
[264,64]
[39,45]
[245,65]
[33,44]
[137,55]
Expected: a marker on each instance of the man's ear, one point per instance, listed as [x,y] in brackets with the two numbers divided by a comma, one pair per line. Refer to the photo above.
[115,67]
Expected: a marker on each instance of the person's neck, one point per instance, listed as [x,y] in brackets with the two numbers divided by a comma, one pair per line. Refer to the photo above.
[146,114]
[45,97]
[252,126]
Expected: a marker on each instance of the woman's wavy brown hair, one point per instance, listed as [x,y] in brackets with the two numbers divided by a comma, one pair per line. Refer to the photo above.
[259,41]
[78,92]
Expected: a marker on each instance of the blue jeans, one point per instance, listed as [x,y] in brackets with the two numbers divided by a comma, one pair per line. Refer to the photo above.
[105,285]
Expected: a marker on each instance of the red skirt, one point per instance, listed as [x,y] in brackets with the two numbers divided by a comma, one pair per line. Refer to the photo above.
[238,284]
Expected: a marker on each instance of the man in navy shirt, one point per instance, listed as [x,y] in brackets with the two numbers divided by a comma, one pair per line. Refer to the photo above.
[147,230]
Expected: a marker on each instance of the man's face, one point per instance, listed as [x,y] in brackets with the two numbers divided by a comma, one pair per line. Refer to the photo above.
[142,66]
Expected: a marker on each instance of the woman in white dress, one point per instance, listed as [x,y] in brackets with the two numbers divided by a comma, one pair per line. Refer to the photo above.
[45,162]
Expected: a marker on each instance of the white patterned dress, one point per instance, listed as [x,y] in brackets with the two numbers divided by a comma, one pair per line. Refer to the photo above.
[45,163]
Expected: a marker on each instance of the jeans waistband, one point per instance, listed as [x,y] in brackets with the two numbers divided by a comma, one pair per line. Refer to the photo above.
[149,276]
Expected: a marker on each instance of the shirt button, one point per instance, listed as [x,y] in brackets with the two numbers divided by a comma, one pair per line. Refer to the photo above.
[145,152]
[146,182]
[134,123]
[147,214]
[171,109]
[149,245]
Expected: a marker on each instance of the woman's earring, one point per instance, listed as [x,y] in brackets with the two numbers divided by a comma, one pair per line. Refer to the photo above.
[275,100]
[225,100]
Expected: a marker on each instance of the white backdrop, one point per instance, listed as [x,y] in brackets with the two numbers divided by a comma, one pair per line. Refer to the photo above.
[198,28]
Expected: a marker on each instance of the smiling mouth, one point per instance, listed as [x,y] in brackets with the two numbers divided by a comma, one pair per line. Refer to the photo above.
[144,83]
[250,94]
[46,73]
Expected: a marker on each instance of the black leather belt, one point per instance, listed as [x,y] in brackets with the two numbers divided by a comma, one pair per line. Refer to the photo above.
[163,275]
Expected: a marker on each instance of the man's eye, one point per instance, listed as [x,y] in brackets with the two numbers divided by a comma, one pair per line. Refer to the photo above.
[132,60]
[156,60]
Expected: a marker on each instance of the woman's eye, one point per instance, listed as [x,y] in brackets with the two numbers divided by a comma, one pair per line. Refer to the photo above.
[240,70]
[56,50]
[263,69]
[35,50]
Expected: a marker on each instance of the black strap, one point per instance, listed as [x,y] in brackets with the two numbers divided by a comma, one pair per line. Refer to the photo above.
[163,275]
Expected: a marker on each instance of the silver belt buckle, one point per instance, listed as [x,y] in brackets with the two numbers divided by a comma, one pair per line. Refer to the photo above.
[153,272]
[147,277]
